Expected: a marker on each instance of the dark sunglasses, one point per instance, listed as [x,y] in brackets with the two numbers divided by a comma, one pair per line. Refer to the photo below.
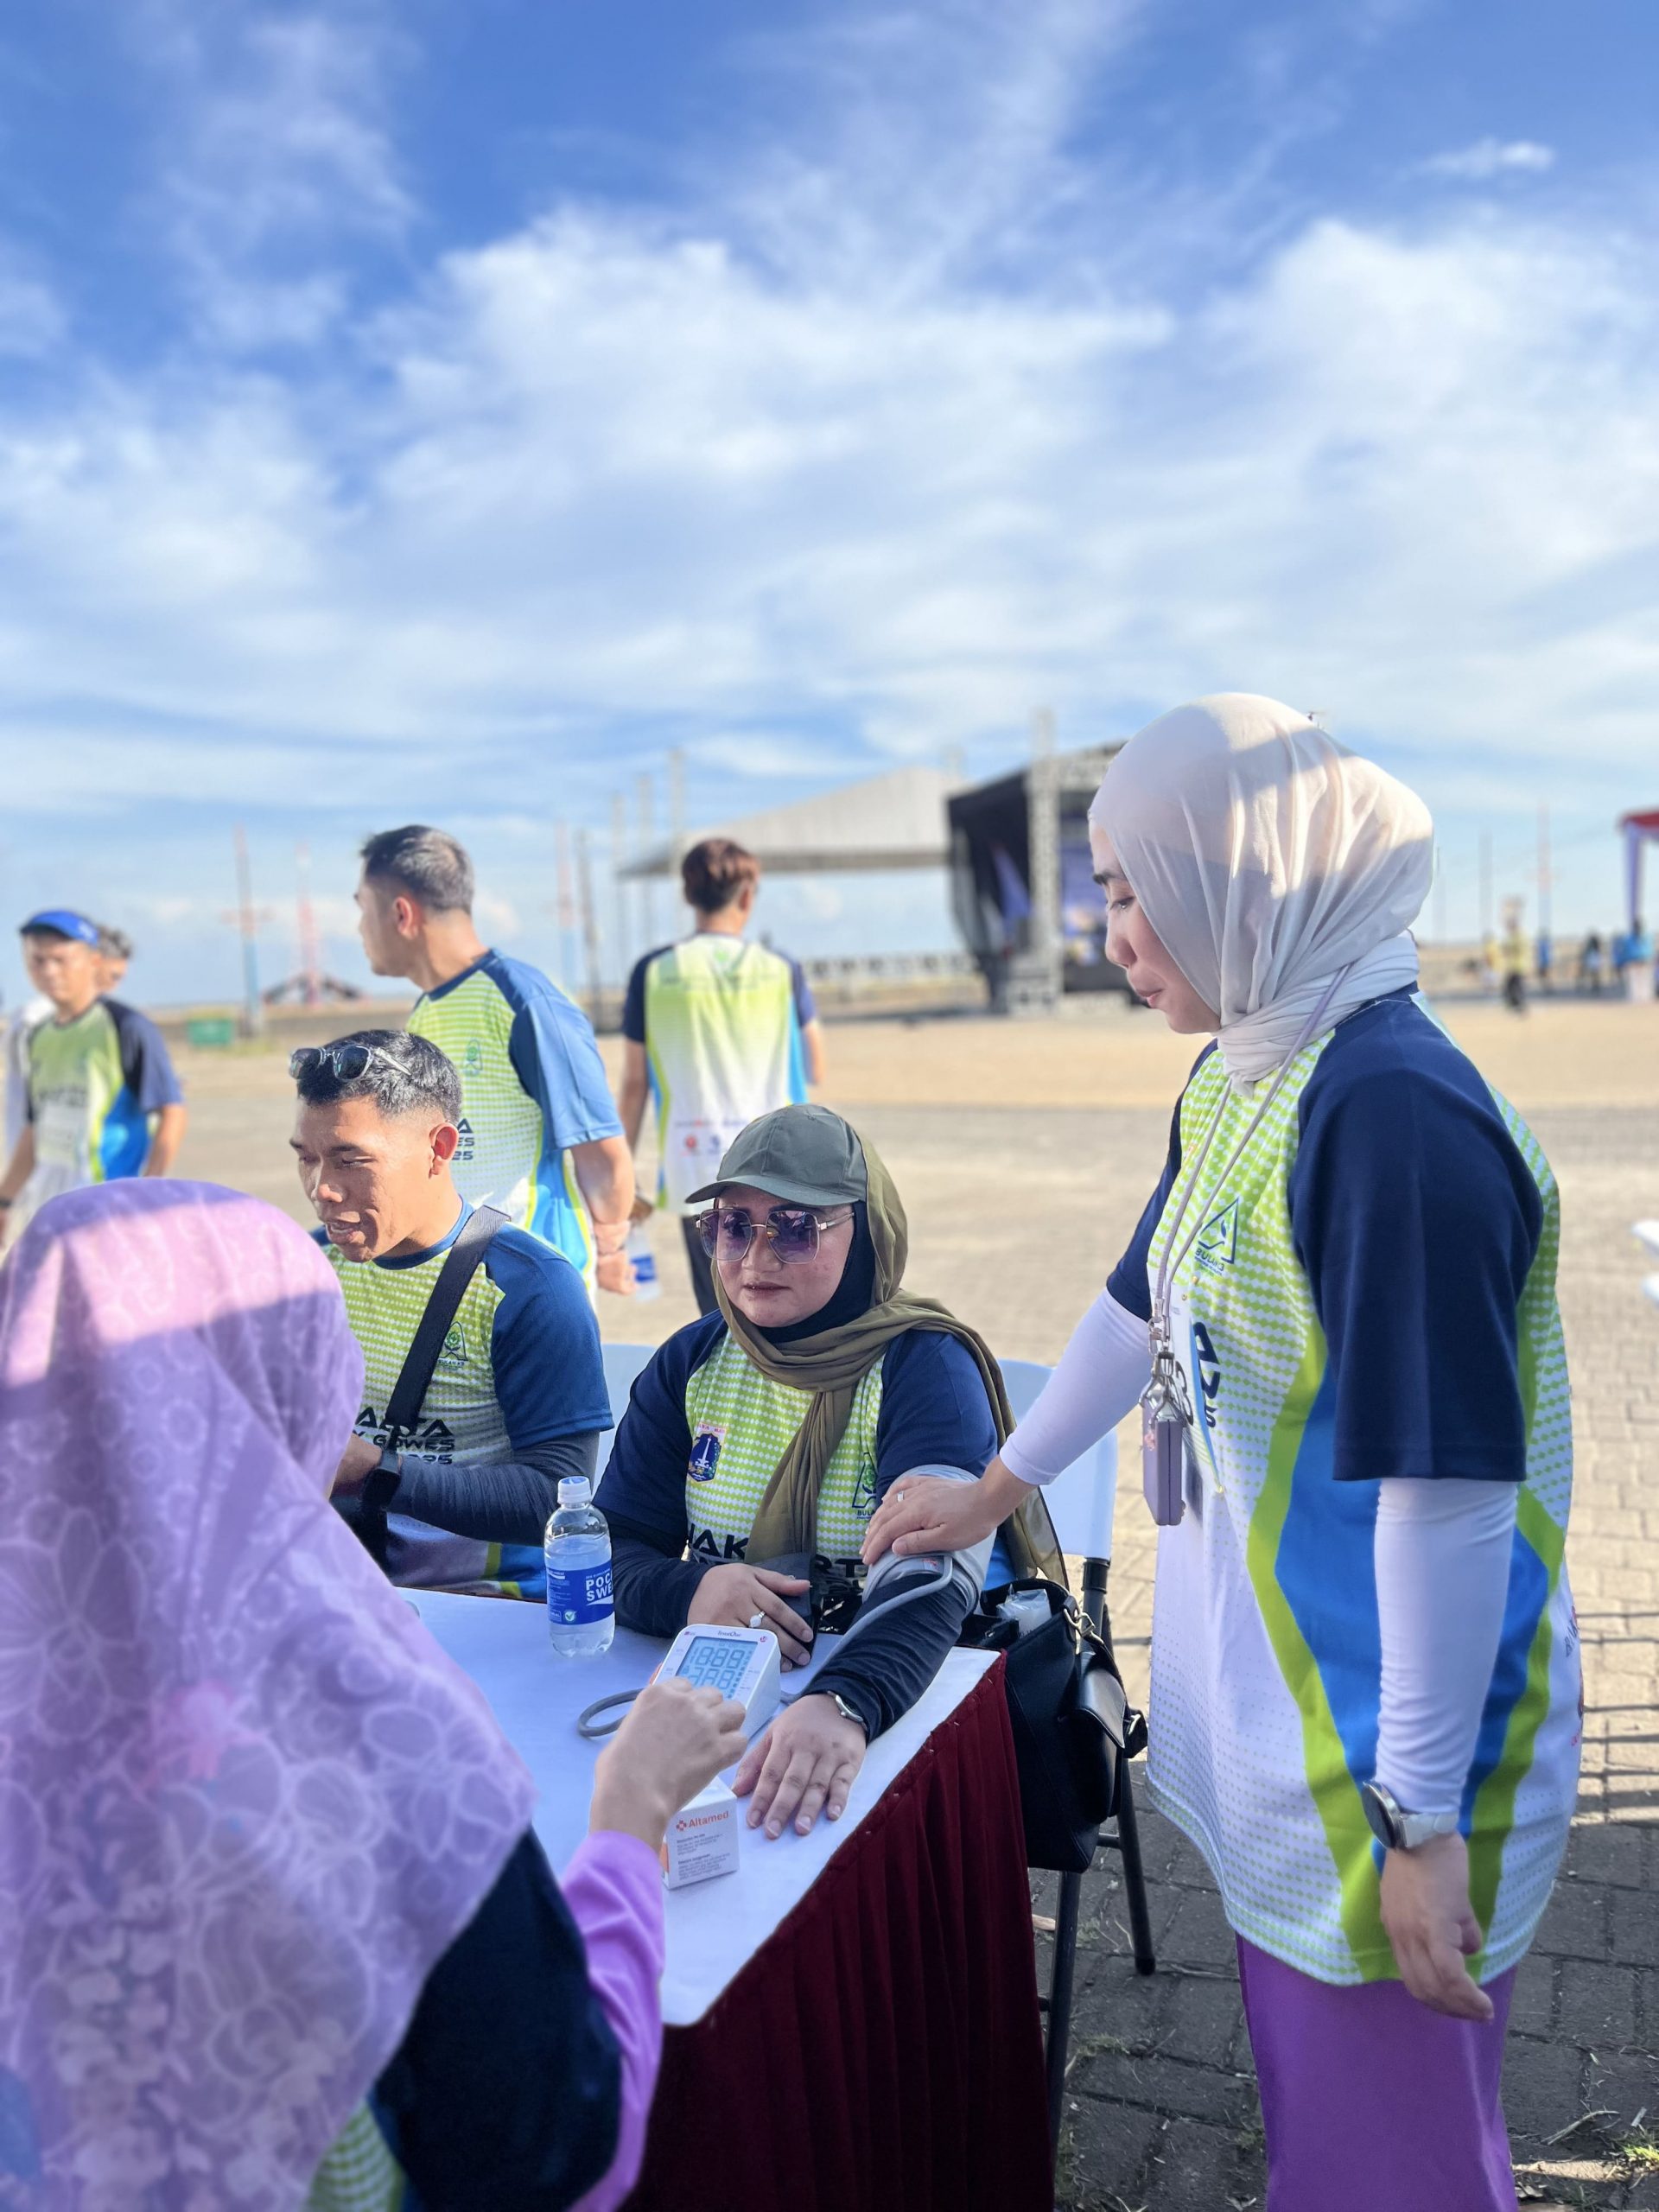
[793,1232]
[345,1062]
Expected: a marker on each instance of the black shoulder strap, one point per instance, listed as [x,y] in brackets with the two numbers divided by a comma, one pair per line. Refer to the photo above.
[477,1233]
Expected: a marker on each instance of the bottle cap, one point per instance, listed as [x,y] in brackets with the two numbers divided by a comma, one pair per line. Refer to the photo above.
[575,1490]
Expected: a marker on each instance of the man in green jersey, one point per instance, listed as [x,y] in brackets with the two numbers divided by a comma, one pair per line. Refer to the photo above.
[539,1134]
[719,1031]
[103,1101]
[518,1397]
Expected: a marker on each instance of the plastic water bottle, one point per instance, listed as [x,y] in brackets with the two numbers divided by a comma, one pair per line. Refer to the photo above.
[647,1283]
[580,1612]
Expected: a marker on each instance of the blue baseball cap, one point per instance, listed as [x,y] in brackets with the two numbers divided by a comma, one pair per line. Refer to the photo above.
[65,923]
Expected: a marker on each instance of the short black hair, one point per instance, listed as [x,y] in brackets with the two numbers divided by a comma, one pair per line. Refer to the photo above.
[114,944]
[716,872]
[405,1075]
[429,864]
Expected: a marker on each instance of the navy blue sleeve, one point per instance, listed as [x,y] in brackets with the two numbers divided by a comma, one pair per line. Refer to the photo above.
[146,1068]
[806,1006]
[550,1373]
[934,1410]
[645,1481]
[507,2087]
[634,1003]
[556,1058]
[1416,1222]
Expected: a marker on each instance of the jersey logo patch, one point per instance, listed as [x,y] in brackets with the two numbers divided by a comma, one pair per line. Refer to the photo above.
[454,1349]
[1218,1245]
[705,1452]
[474,1062]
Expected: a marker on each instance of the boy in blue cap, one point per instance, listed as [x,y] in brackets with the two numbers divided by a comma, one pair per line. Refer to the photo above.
[103,1099]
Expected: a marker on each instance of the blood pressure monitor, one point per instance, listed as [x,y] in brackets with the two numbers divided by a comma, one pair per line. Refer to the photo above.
[744,1664]
[740,1662]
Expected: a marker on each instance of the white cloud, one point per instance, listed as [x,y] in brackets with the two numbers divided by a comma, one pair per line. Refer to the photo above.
[1491,157]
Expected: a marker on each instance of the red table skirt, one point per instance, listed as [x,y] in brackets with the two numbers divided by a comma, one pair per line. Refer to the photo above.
[882,2051]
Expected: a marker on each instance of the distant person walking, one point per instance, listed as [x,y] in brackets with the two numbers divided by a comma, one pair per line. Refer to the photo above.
[539,1134]
[1544,959]
[1516,959]
[721,1031]
[1592,960]
[102,1101]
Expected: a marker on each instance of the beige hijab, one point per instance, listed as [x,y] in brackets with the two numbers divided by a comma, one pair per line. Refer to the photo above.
[832,1365]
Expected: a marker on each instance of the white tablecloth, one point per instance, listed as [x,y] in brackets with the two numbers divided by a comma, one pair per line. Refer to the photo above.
[714,1928]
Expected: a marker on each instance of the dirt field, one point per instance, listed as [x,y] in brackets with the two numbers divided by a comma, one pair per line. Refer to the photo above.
[1025,1152]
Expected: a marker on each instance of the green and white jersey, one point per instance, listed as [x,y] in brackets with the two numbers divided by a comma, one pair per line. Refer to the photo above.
[96,1085]
[721,1021]
[741,1425]
[1370,1294]
[533,1085]
[520,1366]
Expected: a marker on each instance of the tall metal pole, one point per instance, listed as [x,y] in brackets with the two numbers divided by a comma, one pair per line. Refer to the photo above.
[253,1011]
[310,957]
[1545,912]
[1485,883]
[589,924]
[644,815]
[619,855]
[566,895]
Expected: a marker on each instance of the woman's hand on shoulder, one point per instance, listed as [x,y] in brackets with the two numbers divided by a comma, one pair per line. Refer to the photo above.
[678,1736]
[731,1596]
[929,1513]
[806,1763]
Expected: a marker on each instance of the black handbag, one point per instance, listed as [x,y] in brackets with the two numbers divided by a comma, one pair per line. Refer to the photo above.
[365,1514]
[1073,1725]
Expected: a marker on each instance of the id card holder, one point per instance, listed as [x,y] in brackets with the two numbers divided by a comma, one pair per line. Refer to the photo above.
[1163,1460]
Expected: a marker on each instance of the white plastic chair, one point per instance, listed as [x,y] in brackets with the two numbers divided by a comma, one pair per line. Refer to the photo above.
[1082,1499]
[623,1365]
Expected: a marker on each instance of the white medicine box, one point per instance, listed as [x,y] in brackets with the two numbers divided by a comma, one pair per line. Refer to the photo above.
[702,1838]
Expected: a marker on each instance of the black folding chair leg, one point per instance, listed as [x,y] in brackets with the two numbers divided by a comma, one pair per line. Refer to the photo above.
[1134,1879]
[1060,1997]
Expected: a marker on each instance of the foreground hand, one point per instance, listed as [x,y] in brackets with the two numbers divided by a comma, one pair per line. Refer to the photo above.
[928,1513]
[676,1740]
[614,1271]
[1427,1913]
[357,1463]
[806,1763]
[730,1597]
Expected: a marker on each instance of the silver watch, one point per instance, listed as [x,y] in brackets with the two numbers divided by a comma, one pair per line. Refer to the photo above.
[1394,1828]
[849,1712]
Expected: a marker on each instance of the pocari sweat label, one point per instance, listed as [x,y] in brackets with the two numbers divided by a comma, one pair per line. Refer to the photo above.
[580,1610]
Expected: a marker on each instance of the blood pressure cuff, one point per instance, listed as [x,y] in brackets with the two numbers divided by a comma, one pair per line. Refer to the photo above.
[899,1580]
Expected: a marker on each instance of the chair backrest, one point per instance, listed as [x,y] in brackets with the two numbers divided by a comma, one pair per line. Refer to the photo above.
[623,1363]
[1081,1497]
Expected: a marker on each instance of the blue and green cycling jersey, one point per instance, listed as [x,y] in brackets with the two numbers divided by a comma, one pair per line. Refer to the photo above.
[95,1087]
[532,1084]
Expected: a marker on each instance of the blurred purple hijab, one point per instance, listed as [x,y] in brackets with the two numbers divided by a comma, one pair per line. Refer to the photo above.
[245,1802]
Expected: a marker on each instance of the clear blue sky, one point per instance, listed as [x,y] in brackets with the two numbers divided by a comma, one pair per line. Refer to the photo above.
[438,409]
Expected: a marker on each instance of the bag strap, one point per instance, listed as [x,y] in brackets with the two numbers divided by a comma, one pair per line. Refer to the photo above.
[478,1232]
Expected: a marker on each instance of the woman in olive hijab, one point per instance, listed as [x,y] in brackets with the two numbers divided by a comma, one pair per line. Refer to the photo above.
[770,1431]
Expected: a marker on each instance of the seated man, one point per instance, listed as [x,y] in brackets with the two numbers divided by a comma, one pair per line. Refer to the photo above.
[517,1398]
[760,1440]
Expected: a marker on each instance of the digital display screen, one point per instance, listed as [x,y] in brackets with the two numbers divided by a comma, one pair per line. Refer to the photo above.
[717,1660]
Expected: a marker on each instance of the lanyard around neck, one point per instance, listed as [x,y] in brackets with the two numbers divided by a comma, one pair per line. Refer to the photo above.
[1172,1260]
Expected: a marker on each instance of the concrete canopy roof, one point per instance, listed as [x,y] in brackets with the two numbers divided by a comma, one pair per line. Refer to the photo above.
[895,821]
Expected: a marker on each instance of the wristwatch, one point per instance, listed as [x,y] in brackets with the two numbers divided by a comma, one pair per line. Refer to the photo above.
[849,1712]
[1394,1828]
[380,1484]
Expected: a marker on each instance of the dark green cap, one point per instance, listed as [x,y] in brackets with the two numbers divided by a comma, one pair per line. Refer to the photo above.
[804,1156]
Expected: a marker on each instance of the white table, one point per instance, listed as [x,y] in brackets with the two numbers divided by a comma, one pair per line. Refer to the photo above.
[714,1928]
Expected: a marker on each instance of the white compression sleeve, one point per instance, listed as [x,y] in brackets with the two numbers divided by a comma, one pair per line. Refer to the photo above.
[1101,1373]
[1442,1559]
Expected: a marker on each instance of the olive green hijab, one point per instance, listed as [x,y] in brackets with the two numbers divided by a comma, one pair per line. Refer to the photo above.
[833,1364]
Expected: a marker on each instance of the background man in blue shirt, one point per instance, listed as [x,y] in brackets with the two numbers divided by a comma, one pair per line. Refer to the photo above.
[540,1137]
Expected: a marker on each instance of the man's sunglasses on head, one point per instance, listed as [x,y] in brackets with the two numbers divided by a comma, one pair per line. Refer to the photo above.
[793,1232]
[345,1063]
